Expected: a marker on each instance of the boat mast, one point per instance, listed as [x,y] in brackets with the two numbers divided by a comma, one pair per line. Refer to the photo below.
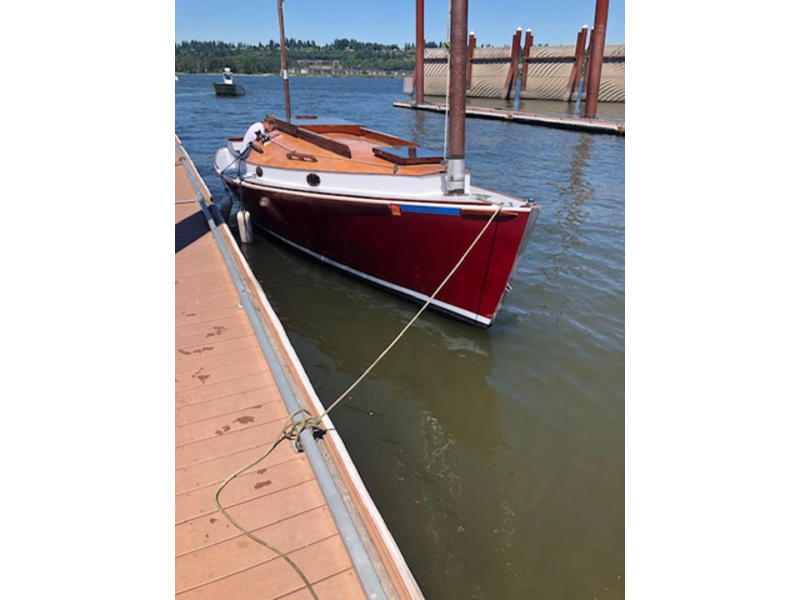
[420,65]
[284,66]
[458,90]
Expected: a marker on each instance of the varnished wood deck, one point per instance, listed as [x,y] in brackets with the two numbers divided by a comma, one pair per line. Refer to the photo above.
[228,411]
[363,160]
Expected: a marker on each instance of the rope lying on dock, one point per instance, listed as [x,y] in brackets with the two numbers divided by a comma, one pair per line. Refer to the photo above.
[294,426]
[291,431]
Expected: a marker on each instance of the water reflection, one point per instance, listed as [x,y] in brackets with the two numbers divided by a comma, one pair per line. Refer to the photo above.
[570,211]
[418,131]
[578,189]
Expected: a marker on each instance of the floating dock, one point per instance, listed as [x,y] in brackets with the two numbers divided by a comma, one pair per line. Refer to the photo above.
[560,121]
[237,379]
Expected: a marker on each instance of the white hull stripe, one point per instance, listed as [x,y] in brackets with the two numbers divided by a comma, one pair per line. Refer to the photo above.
[443,305]
[406,204]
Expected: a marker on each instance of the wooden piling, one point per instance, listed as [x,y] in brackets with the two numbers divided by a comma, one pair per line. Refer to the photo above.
[577,68]
[586,73]
[526,52]
[470,54]
[596,64]
[513,67]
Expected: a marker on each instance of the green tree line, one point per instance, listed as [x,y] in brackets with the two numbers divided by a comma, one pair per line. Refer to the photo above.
[200,57]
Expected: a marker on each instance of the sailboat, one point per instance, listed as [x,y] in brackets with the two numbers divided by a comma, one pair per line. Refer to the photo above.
[382,208]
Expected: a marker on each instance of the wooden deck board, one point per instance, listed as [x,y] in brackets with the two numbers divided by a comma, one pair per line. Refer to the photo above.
[228,410]
[225,405]
[193,476]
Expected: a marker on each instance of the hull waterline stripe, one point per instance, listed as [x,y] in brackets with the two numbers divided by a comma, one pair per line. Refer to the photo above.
[465,314]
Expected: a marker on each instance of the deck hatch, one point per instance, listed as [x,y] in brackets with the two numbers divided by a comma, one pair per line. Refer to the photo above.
[408,155]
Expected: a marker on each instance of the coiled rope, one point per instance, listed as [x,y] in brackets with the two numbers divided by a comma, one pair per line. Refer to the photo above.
[292,429]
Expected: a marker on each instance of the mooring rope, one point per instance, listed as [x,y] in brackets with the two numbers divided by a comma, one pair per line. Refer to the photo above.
[291,431]
[414,318]
[293,428]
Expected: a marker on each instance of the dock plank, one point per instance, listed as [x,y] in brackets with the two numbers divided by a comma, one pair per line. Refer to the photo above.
[204,473]
[271,580]
[225,405]
[240,552]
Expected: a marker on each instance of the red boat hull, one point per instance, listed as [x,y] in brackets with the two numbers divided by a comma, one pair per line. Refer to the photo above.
[409,248]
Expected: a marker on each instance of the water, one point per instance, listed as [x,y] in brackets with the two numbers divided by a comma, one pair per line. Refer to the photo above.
[495,456]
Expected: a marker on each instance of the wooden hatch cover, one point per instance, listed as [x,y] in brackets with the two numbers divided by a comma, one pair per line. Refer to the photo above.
[408,155]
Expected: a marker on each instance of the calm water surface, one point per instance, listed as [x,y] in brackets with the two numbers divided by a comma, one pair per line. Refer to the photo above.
[495,456]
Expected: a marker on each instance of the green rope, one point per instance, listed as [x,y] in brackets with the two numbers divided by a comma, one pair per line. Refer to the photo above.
[290,431]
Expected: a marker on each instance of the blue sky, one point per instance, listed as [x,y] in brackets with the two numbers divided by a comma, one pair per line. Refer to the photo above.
[389,21]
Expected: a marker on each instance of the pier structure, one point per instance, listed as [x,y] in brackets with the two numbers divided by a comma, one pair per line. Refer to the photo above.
[611,126]
[237,380]
[546,71]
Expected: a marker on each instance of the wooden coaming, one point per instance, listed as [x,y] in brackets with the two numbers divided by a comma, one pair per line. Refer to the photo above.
[360,142]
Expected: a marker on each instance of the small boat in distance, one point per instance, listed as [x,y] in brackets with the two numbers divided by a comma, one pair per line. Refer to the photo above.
[227,87]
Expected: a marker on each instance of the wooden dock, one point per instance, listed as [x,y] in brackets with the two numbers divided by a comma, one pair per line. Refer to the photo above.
[559,121]
[235,375]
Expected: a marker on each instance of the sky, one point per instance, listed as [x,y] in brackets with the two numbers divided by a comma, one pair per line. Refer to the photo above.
[389,21]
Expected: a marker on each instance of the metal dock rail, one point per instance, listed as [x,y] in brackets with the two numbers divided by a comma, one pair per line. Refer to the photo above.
[237,380]
[558,121]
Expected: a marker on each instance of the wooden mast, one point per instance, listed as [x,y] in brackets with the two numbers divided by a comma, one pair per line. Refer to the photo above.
[284,65]
[458,92]
[419,70]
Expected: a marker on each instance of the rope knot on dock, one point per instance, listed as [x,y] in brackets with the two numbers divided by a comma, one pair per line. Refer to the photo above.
[295,426]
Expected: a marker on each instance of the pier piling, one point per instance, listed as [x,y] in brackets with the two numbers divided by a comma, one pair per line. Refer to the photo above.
[526,53]
[595,66]
[419,70]
[577,68]
[470,54]
[513,67]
